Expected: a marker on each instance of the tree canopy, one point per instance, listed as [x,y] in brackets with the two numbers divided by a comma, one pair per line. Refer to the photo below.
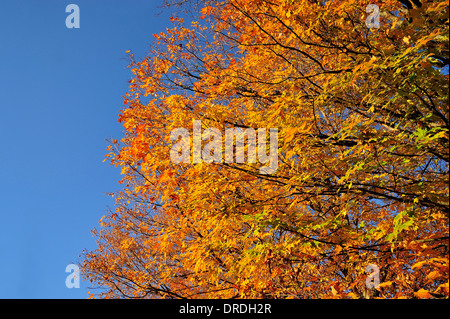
[363,155]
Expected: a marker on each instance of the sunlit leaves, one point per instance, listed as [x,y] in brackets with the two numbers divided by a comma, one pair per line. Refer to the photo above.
[362,179]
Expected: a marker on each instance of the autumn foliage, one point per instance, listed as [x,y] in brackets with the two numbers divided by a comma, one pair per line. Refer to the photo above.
[363,159]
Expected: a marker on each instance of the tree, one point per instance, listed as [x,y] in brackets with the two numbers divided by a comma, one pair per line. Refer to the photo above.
[362,177]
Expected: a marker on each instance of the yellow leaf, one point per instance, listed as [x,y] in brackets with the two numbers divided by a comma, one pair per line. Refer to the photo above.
[352,295]
[385,284]
[333,291]
[418,265]
[293,203]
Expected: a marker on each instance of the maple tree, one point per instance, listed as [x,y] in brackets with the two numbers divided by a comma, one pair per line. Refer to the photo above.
[362,178]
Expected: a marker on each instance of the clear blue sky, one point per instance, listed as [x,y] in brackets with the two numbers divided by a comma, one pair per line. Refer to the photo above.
[60,93]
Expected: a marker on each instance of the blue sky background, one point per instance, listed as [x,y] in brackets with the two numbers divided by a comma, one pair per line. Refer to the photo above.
[60,93]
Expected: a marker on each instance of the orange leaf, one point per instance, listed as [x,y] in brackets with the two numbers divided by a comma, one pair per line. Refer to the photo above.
[433,275]
[422,293]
